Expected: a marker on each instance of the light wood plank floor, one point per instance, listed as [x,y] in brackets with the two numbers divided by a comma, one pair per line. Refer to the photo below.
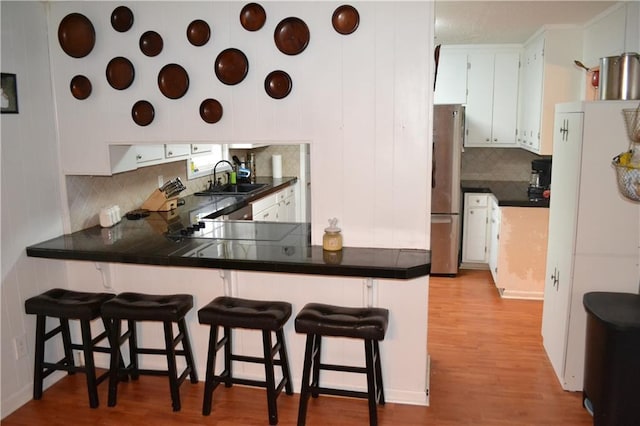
[488,368]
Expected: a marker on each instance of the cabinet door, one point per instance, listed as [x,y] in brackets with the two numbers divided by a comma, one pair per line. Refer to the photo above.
[474,240]
[148,153]
[531,102]
[494,237]
[505,98]
[199,148]
[270,214]
[479,110]
[177,150]
[565,174]
[451,81]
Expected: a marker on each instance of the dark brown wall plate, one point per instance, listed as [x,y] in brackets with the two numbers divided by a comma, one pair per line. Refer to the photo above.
[120,73]
[76,35]
[277,84]
[211,110]
[151,43]
[345,19]
[122,19]
[80,87]
[231,66]
[291,36]
[142,113]
[252,17]
[198,32]
[173,81]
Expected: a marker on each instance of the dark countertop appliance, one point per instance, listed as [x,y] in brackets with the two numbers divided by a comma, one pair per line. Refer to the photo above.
[540,178]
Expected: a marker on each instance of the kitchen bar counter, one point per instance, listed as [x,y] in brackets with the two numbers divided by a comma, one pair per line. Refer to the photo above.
[225,244]
[508,193]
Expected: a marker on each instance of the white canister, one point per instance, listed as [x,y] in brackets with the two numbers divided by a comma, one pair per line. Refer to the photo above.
[276,163]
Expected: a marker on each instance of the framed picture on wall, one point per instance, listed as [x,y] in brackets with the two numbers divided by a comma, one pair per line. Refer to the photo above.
[8,94]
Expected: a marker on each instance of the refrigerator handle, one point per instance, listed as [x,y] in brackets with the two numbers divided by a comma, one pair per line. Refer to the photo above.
[433,165]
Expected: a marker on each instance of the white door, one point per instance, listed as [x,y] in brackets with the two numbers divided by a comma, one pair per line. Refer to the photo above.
[565,175]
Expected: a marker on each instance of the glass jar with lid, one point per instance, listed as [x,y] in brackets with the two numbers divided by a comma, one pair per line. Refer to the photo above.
[332,238]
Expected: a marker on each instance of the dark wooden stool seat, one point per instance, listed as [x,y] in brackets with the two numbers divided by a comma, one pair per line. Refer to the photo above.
[230,313]
[168,309]
[68,305]
[369,324]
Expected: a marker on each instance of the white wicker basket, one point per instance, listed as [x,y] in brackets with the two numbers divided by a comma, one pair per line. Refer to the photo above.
[628,180]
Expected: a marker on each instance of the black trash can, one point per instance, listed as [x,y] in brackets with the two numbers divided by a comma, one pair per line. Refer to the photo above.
[612,358]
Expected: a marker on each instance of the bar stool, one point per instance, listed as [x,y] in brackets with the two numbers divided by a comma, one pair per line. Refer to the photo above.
[135,307]
[231,312]
[68,305]
[369,324]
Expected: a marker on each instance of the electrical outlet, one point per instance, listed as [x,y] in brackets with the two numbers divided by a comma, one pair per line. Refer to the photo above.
[20,346]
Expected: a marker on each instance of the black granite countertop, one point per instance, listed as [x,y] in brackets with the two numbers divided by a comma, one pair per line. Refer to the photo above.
[241,245]
[508,193]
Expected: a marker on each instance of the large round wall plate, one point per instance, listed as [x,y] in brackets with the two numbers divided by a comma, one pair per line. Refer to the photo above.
[231,66]
[277,84]
[80,87]
[142,113]
[76,35]
[291,36]
[198,32]
[151,43]
[345,19]
[173,81]
[120,73]
[211,110]
[121,19]
[252,17]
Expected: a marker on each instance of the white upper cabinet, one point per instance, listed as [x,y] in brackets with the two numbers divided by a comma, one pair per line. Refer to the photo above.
[492,97]
[451,80]
[549,76]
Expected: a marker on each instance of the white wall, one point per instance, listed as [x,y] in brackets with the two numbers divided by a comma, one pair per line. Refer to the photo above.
[31,204]
[360,100]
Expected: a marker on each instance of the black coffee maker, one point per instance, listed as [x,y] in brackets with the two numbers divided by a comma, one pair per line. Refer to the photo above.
[540,177]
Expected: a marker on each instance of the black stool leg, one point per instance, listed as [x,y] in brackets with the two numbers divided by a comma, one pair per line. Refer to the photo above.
[171,365]
[209,381]
[306,373]
[380,386]
[228,365]
[38,374]
[188,353]
[66,342]
[317,348]
[371,382]
[90,368]
[114,341]
[133,350]
[284,360]
[269,377]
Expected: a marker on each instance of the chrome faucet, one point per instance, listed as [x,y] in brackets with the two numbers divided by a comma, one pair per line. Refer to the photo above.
[217,182]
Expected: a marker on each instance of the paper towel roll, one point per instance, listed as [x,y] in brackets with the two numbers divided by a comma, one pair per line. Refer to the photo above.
[276,163]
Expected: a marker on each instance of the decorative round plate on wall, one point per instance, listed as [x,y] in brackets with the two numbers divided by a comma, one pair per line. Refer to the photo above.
[80,87]
[291,36]
[120,73]
[142,113]
[252,17]
[277,84]
[211,110]
[121,19]
[151,43]
[231,66]
[345,19]
[173,81]
[76,35]
[198,32]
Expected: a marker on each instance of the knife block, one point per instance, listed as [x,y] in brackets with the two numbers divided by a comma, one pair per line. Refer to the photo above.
[157,202]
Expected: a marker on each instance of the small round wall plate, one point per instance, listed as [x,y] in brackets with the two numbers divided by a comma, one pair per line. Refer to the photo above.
[121,19]
[173,81]
[120,73]
[151,43]
[142,113]
[80,87]
[252,17]
[291,36]
[211,110]
[76,35]
[345,19]
[198,32]
[231,66]
[277,84]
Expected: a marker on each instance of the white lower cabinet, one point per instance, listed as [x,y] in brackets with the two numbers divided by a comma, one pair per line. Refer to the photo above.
[494,237]
[277,207]
[474,240]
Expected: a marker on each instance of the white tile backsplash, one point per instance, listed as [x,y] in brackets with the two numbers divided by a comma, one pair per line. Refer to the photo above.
[496,164]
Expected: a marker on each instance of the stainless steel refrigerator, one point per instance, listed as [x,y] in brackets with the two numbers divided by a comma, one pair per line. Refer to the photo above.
[448,136]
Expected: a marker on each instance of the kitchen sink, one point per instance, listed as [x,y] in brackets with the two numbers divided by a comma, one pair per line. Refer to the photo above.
[228,189]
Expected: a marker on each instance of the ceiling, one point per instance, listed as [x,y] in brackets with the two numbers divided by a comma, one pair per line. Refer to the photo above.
[487,22]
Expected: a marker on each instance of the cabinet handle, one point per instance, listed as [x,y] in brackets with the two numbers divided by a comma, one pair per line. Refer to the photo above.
[495,140]
[488,140]
[138,157]
[195,148]
[169,154]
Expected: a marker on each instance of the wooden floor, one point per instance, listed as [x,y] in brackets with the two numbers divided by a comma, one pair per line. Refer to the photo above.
[488,367]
